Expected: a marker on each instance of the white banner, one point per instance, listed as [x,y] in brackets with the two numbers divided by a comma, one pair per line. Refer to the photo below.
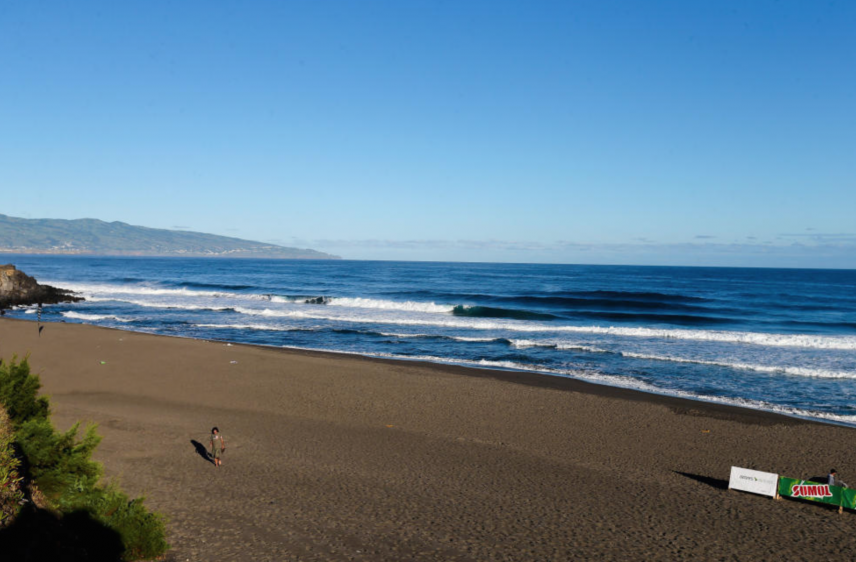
[746,480]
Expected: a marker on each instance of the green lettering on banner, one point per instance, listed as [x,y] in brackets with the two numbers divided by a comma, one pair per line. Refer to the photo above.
[817,492]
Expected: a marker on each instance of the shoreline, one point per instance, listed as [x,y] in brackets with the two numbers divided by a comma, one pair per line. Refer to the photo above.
[527,377]
[342,457]
[569,384]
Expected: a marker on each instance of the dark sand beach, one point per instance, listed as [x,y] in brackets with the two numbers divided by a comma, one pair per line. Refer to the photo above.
[336,457]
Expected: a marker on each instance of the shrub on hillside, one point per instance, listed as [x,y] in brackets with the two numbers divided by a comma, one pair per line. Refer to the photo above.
[19,393]
[11,487]
[143,532]
[60,465]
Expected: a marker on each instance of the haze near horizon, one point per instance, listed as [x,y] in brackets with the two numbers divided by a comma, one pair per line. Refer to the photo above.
[565,132]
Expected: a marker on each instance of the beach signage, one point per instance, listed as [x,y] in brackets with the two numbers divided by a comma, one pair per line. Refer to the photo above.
[817,492]
[754,481]
[811,491]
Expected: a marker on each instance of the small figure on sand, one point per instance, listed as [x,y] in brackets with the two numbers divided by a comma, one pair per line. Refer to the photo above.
[218,445]
[834,480]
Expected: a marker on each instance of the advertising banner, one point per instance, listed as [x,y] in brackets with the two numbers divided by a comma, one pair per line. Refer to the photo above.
[817,492]
[757,482]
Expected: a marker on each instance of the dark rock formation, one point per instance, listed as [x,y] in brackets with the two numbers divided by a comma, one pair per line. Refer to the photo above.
[19,289]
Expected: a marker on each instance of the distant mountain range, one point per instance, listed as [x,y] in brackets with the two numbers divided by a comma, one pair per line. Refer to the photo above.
[96,237]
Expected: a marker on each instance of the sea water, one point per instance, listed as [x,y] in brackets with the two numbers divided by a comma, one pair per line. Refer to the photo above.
[782,340]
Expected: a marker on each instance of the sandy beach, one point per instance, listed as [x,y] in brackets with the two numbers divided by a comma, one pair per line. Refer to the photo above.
[336,457]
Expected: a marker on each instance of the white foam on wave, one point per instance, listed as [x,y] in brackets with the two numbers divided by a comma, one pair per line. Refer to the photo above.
[95,293]
[93,290]
[396,335]
[523,344]
[442,336]
[793,371]
[93,317]
[276,313]
[751,338]
[161,304]
[409,306]
[260,327]
[472,339]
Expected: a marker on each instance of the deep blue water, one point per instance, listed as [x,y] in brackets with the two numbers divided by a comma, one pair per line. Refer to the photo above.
[779,340]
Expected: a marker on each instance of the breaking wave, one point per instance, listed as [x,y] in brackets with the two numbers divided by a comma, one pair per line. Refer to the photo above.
[751,338]
[409,306]
[93,317]
[523,344]
[257,327]
[490,312]
[164,305]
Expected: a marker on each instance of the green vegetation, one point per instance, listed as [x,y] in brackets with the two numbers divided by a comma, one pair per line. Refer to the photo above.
[11,492]
[92,236]
[60,465]
[19,393]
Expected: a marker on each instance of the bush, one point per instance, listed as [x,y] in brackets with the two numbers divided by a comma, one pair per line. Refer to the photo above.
[18,393]
[11,487]
[60,465]
[142,532]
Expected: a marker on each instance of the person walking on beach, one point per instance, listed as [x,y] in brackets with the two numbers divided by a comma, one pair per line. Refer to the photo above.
[218,445]
[834,480]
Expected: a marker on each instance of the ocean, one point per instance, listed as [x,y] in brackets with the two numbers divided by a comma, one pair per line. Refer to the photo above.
[781,340]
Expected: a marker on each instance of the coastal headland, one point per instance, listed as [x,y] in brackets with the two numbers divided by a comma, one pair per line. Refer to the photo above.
[339,457]
[19,289]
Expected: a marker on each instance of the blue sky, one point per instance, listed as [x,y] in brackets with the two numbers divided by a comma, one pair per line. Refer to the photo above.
[696,133]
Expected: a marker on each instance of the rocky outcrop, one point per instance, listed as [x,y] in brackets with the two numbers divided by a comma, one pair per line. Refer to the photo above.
[18,289]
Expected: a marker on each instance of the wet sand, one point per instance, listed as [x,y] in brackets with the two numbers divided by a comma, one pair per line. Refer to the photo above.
[336,457]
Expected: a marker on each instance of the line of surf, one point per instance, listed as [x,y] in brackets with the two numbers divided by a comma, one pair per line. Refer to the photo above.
[620,381]
[115,292]
[751,338]
[773,369]
[569,346]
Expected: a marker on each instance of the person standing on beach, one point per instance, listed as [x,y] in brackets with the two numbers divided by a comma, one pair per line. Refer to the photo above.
[218,445]
[834,480]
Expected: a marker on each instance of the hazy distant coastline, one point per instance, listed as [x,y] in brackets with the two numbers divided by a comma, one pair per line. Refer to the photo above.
[96,237]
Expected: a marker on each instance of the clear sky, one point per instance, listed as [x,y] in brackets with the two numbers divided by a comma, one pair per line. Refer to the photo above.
[686,132]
